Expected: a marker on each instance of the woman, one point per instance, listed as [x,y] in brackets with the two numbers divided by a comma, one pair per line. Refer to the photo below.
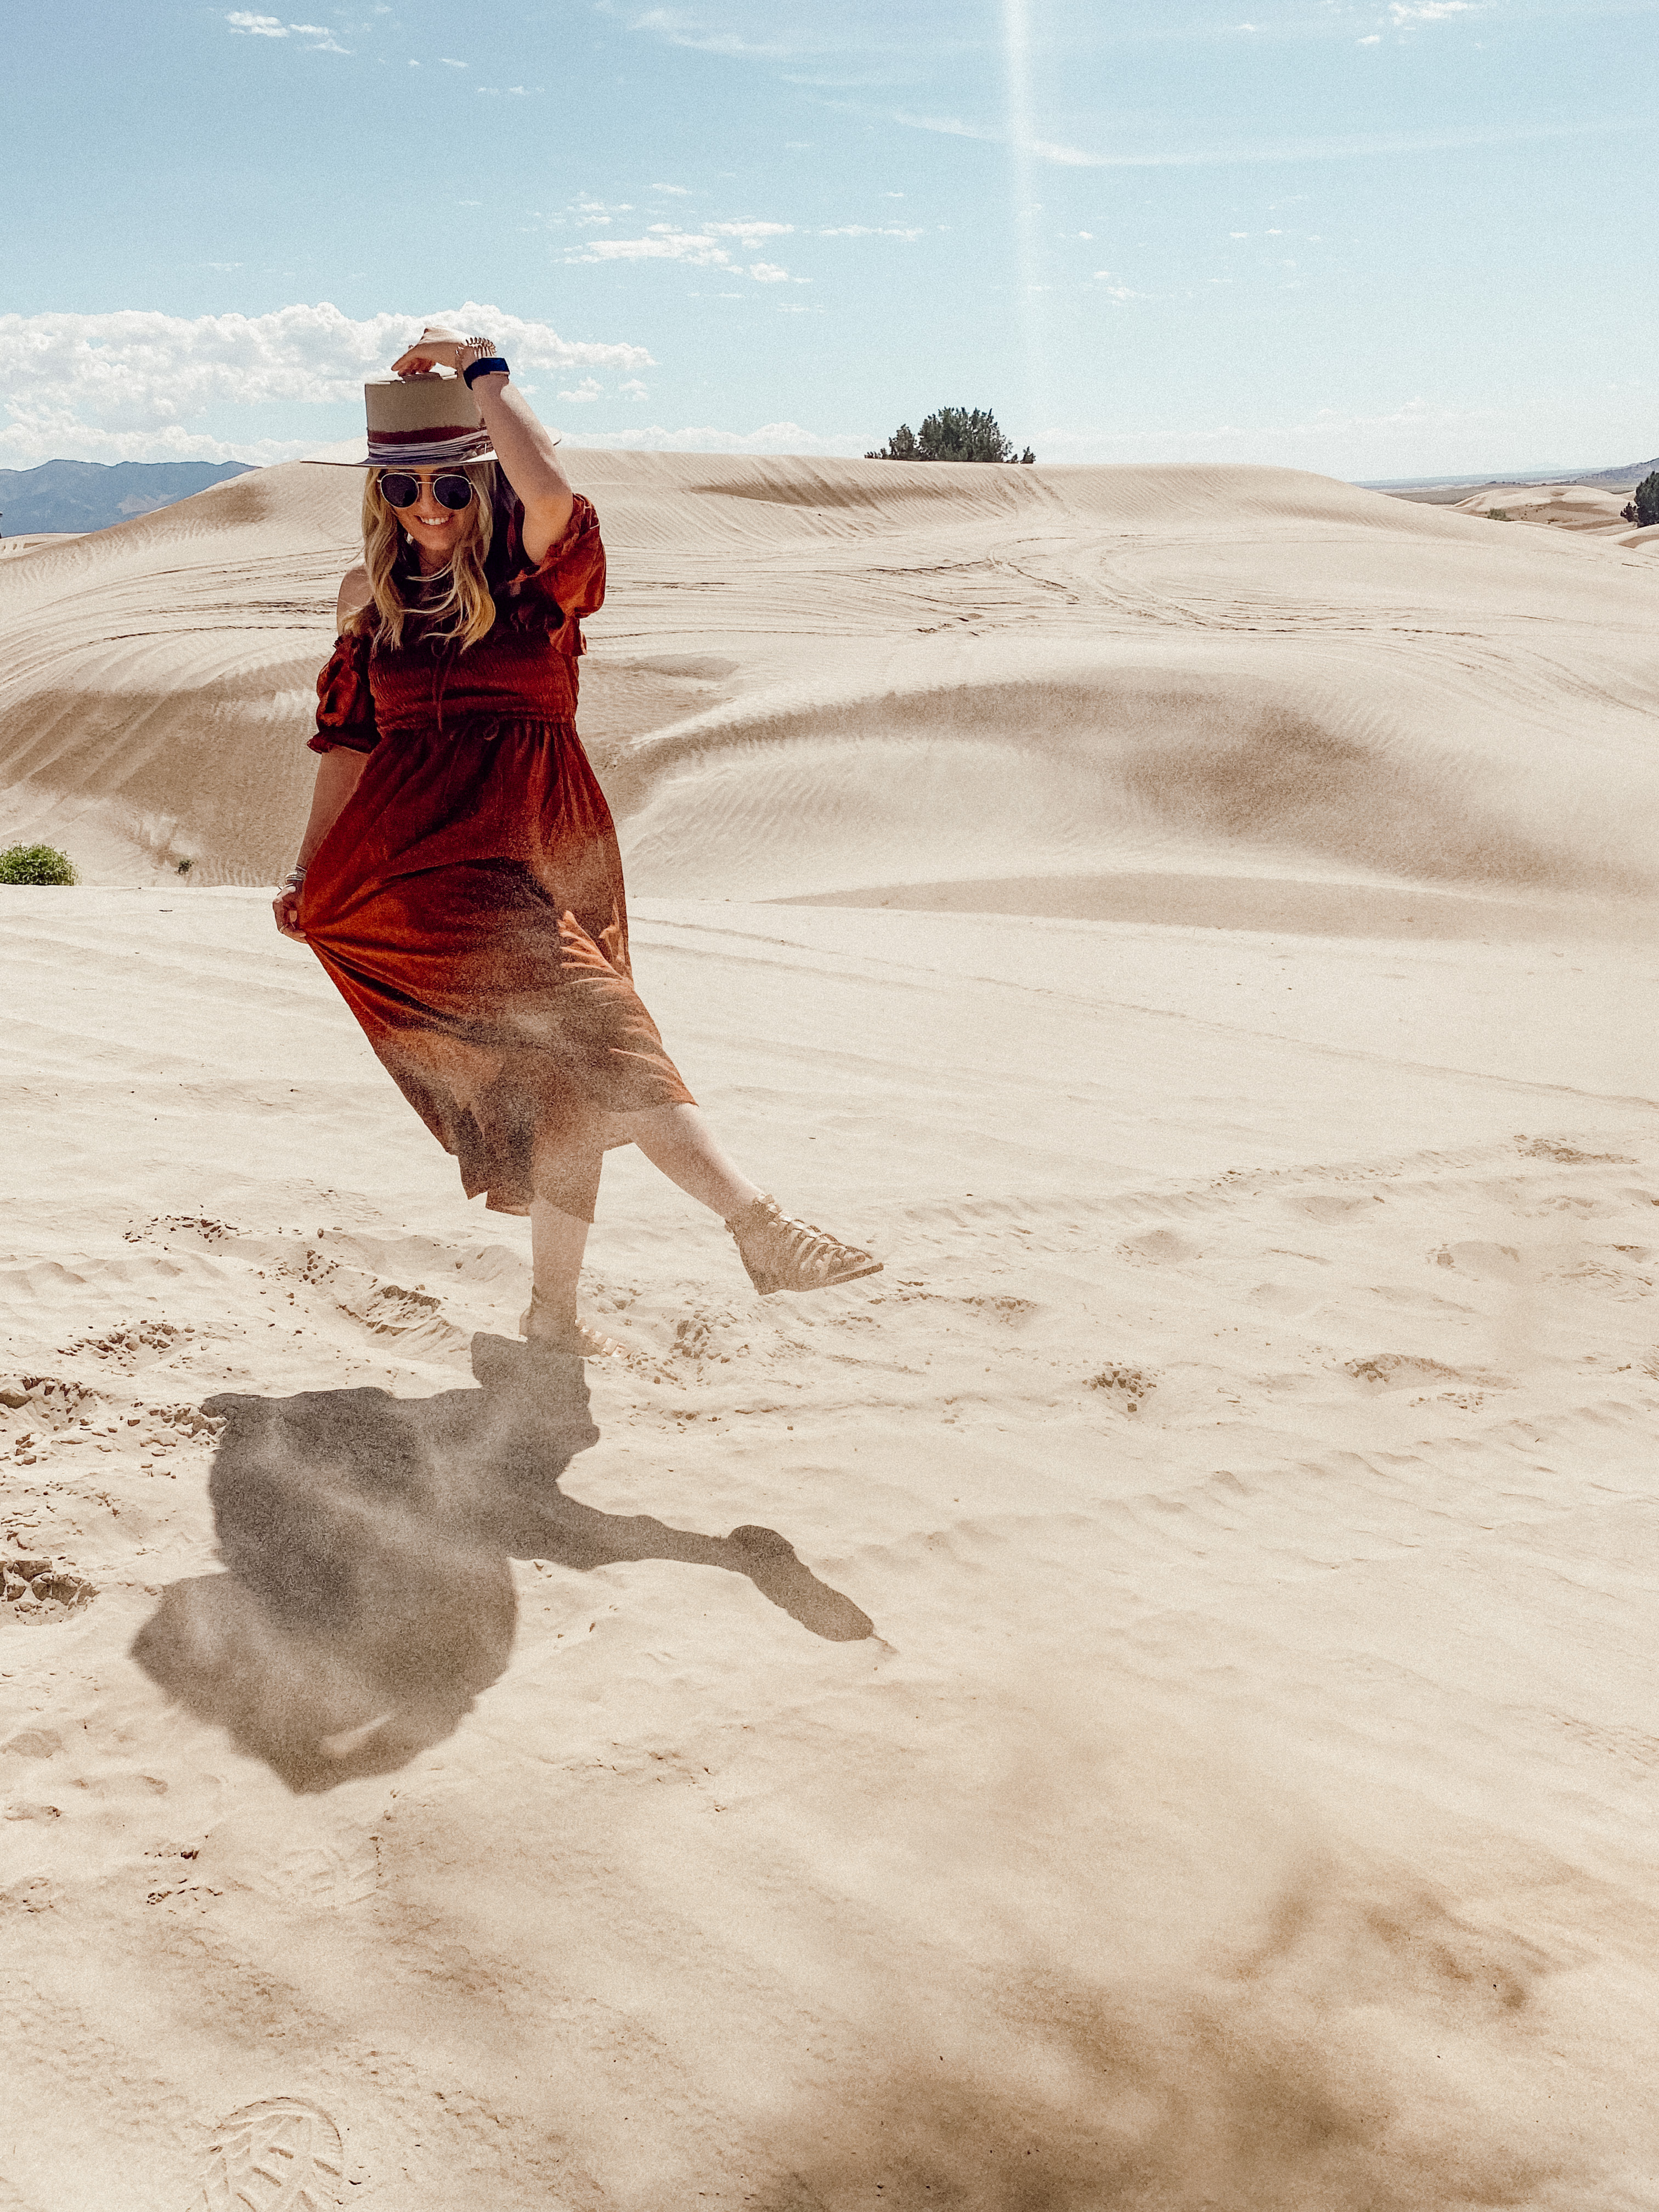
[460,877]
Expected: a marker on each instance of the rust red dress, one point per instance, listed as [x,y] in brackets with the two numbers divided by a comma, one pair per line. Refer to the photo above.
[468,902]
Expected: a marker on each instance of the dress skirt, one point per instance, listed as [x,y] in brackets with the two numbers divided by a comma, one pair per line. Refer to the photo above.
[468,903]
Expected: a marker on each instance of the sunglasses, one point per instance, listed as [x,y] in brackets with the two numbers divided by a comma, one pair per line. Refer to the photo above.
[453,491]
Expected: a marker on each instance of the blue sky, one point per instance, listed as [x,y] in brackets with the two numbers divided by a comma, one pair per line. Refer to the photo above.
[1374,237]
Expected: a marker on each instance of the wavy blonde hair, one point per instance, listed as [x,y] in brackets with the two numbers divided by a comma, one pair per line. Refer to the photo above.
[467,611]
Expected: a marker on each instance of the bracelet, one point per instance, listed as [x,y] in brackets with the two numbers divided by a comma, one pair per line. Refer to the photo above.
[491,365]
[295,876]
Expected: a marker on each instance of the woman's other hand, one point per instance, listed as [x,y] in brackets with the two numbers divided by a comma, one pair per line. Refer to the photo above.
[435,348]
[286,908]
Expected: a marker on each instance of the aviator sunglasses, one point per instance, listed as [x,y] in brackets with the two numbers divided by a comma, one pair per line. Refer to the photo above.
[450,489]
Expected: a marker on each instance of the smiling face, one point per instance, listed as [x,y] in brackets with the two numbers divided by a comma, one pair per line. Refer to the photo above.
[434,529]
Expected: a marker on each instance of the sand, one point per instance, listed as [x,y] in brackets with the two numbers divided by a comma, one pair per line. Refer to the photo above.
[1197,926]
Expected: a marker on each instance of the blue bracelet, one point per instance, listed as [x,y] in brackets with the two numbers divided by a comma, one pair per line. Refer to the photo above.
[491,365]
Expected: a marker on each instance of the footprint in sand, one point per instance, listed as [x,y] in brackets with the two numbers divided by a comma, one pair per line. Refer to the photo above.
[1398,1371]
[280,2156]
[1131,1386]
[1161,1246]
[323,1876]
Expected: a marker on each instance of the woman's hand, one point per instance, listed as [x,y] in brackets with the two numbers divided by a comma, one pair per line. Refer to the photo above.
[435,348]
[286,908]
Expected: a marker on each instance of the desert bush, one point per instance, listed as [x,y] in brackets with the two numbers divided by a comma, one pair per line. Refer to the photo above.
[950,433]
[36,864]
[1646,501]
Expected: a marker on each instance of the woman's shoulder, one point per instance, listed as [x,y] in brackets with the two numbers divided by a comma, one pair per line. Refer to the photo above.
[354,595]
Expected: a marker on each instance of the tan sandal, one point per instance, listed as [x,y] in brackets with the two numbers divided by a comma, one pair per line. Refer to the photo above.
[576,1337]
[784,1255]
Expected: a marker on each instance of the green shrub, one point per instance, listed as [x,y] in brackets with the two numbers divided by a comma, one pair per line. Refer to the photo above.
[36,864]
[1646,501]
[952,433]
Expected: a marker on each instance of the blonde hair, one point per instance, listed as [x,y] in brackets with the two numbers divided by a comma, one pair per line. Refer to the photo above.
[467,611]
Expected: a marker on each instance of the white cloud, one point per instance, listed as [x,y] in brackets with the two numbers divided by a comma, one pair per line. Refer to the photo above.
[768,272]
[1375,40]
[704,248]
[137,385]
[631,388]
[1432,11]
[589,389]
[748,232]
[506,92]
[661,243]
[879,230]
[1356,146]
[273,26]
[680,192]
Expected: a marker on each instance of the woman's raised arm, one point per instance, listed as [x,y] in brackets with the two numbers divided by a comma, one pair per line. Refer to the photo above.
[523,447]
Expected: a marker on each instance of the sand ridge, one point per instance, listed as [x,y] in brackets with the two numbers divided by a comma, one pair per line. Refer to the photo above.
[819,677]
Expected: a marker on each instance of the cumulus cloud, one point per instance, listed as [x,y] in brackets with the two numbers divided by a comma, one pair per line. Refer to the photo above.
[136,385]
[588,390]
[768,272]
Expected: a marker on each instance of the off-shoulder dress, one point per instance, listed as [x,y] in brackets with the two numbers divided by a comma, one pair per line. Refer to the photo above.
[468,901]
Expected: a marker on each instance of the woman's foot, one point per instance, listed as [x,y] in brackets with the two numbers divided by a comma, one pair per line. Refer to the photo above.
[782,1254]
[537,1324]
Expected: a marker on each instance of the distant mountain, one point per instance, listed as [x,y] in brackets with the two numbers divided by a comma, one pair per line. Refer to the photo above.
[97,495]
[1441,491]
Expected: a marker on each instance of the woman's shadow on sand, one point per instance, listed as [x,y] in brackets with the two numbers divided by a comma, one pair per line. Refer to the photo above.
[368,1594]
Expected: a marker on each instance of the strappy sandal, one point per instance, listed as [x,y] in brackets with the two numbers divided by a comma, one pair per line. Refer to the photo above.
[577,1338]
[785,1255]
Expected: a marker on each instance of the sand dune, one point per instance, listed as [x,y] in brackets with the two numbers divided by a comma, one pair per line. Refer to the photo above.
[824,678]
[1147,1703]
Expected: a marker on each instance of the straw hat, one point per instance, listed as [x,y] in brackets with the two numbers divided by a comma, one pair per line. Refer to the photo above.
[420,423]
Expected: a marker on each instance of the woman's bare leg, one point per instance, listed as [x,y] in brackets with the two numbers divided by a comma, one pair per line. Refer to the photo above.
[677,1140]
[558,1241]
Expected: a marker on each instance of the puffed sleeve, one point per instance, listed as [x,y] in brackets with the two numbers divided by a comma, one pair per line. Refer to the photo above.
[345,705]
[568,581]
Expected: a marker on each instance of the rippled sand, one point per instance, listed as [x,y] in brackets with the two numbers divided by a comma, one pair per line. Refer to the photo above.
[1196,926]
